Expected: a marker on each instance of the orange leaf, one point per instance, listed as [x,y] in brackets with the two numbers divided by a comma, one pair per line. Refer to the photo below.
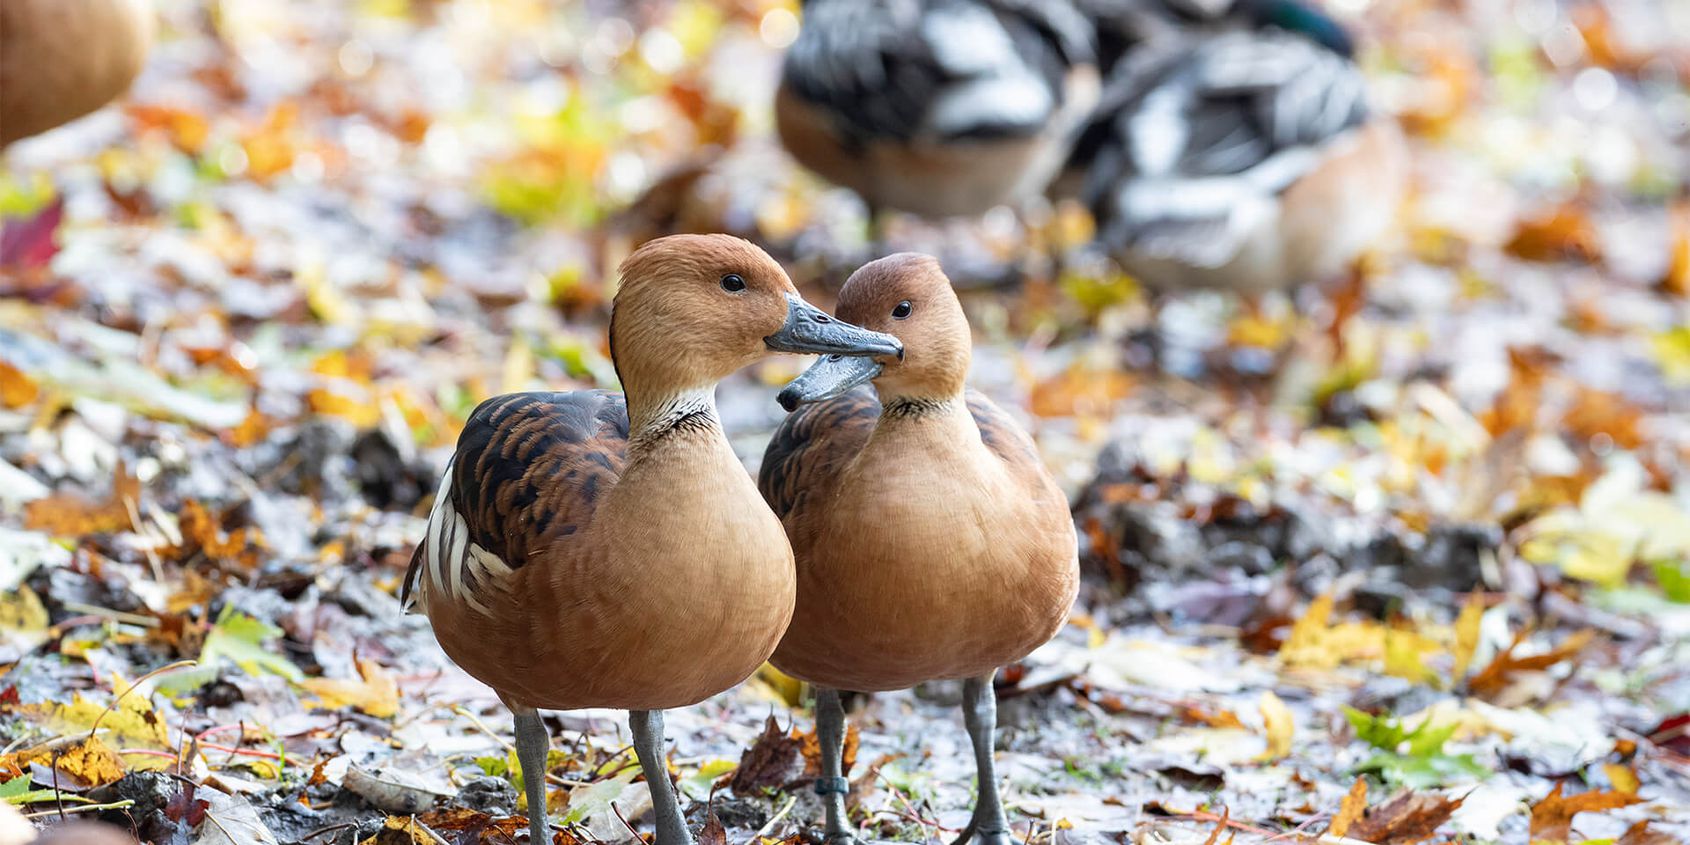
[1677,278]
[1350,812]
[16,388]
[1641,834]
[1563,233]
[71,514]
[1495,677]
[1552,818]
[1597,412]
[1407,818]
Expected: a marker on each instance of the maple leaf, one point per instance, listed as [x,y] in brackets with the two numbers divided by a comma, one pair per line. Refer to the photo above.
[71,514]
[1552,818]
[375,692]
[1276,719]
[1406,818]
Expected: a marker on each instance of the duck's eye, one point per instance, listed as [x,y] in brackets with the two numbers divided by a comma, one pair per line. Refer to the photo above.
[733,283]
[902,311]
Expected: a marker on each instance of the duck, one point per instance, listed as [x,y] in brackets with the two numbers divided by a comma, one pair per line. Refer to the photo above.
[1241,154]
[931,541]
[939,108]
[602,549]
[62,59]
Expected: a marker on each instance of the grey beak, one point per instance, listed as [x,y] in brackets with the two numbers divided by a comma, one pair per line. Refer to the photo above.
[832,376]
[810,330]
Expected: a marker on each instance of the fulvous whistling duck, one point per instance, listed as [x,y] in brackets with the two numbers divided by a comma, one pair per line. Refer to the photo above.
[596,549]
[1240,155]
[61,59]
[937,107]
[931,541]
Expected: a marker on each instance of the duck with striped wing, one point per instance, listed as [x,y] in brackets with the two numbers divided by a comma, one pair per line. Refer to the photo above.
[597,549]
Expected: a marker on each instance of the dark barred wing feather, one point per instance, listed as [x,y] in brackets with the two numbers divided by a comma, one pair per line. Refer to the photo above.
[530,469]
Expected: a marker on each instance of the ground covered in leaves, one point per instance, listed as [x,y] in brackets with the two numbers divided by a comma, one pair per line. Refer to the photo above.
[1403,558]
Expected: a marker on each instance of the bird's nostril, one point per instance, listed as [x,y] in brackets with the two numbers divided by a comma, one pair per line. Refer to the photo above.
[823,318]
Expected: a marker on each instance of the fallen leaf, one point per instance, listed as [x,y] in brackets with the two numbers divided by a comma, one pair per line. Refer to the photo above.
[811,747]
[231,820]
[129,719]
[1642,834]
[713,832]
[1467,628]
[70,514]
[1406,818]
[1563,233]
[1623,777]
[770,762]
[17,389]
[1350,811]
[29,244]
[83,757]
[243,641]
[23,623]
[1277,721]
[1496,676]
[376,692]
[1552,818]
[1676,281]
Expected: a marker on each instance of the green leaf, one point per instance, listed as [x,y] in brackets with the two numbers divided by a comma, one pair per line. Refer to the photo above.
[1422,772]
[244,640]
[497,767]
[1674,578]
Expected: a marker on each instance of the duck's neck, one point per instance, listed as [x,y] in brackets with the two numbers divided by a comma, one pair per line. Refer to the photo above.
[896,409]
[656,417]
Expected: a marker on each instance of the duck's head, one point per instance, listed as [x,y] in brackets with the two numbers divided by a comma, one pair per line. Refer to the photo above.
[908,297]
[691,309]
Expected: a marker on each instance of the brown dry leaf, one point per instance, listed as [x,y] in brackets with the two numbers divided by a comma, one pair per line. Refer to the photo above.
[1599,412]
[811,747]
[1215,835]
[1552,818]
[201,532]
[376,693]
[474,825]
[1563,233]
[16,388]
[1406,818]
[1495,677]
[83,757]
[1350,811]
[1517,406]
[1641,834]
[771,761]
[69,514]
[713,833]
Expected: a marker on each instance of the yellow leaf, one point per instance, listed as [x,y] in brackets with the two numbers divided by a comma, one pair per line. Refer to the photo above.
[1355,803]
[1276,718]
[1467,634]
[1403,650]
[129,719]
[1622,777]
[23,620]
[85,758]
[376,693]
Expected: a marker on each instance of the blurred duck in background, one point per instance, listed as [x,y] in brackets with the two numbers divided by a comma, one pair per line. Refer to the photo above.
[1234,147]
[941,108]
[61,59]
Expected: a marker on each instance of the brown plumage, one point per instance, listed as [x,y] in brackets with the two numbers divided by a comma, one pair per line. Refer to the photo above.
[61,59]
[592,549]
[930,540]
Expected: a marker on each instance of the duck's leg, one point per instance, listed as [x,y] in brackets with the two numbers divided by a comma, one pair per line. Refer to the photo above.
[832,785]
[647,727]
[532,743]
[980,714]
